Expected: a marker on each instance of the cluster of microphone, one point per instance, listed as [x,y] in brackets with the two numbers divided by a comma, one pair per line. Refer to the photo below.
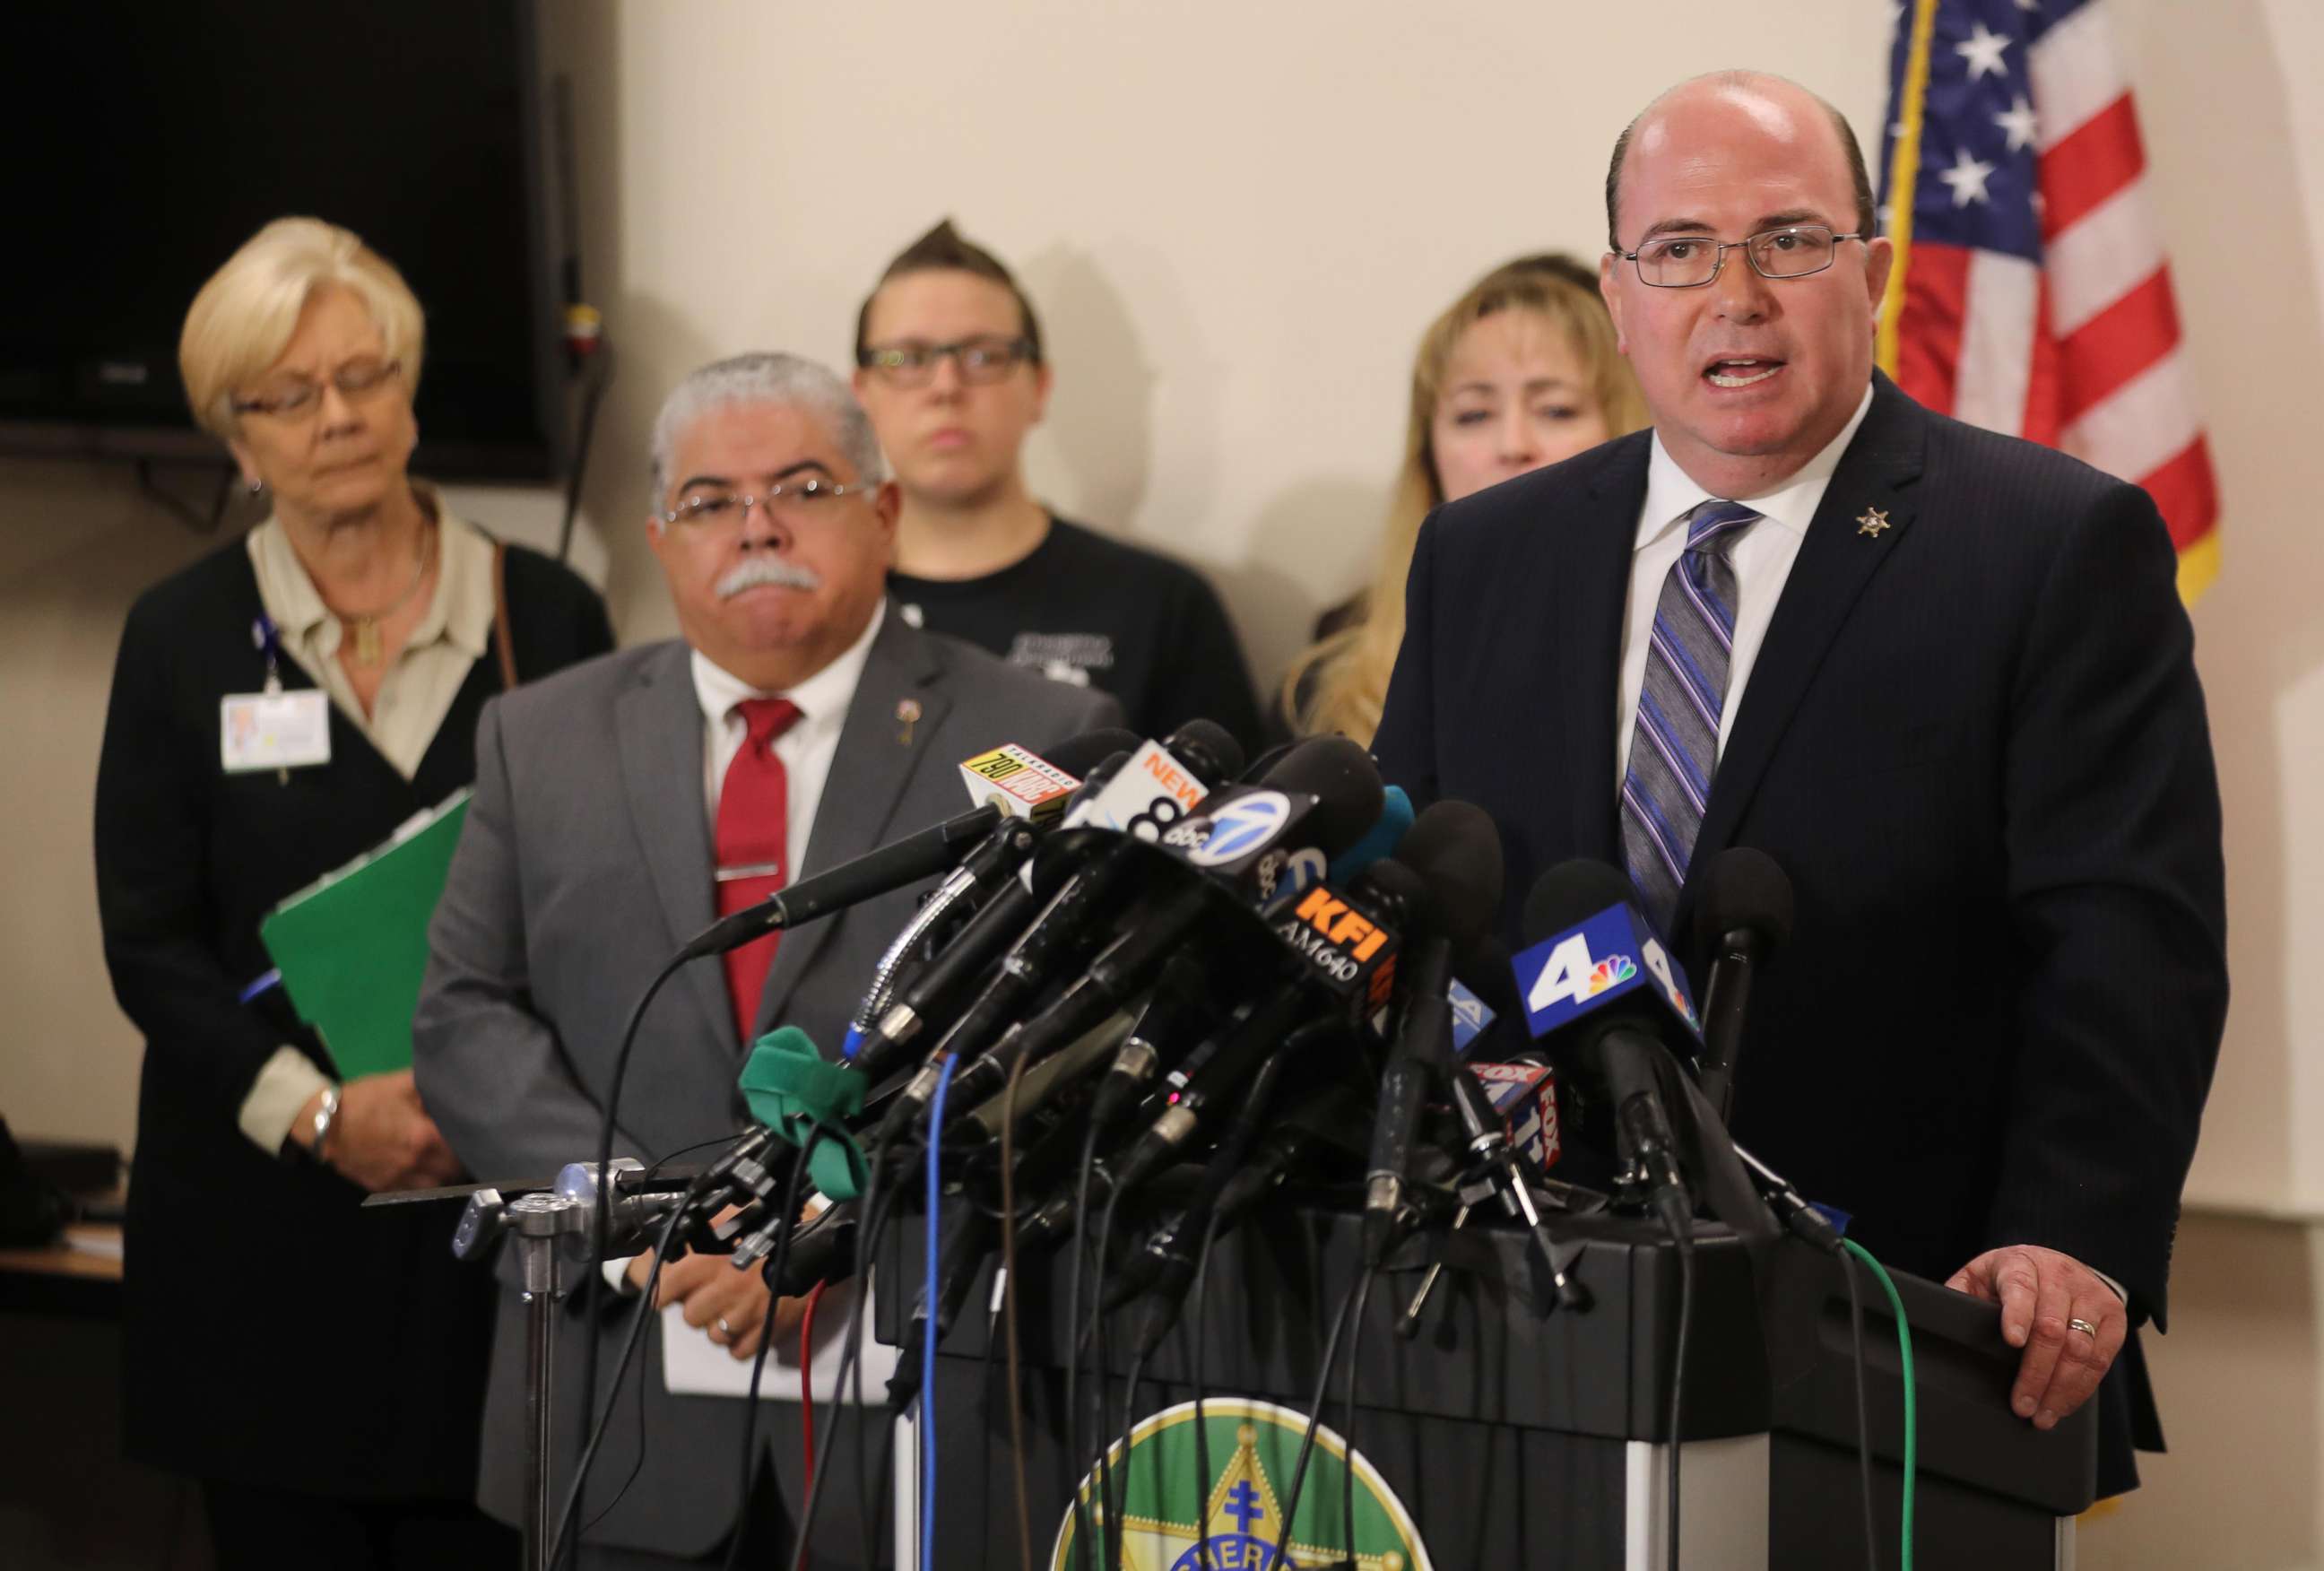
[1142,959]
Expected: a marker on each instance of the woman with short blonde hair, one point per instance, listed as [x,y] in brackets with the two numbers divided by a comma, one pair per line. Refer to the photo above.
[245,316]
[279,708]
[1520,372]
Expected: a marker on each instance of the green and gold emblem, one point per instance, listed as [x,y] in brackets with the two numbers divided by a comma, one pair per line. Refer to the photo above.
[1254,1447]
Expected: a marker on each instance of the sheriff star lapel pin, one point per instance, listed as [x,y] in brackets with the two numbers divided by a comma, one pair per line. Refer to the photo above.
[1873,522]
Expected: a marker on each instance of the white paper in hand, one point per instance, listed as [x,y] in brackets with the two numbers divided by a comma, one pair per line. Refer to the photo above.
[694,1366]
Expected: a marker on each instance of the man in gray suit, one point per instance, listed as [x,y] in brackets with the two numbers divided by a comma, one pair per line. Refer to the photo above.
[621,806]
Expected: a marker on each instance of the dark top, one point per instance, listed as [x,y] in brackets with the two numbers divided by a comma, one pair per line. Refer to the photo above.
[1084,609]
[1974,741]
[274,1332]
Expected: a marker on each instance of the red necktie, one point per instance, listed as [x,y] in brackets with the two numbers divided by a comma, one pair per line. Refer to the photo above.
[753,806]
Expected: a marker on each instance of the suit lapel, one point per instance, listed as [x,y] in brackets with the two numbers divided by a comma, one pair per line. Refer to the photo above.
[1590,570]
[877,754]
[1836,560]
[659,723]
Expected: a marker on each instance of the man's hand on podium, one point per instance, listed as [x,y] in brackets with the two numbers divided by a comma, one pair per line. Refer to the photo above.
[725,1305]
[2065,1316]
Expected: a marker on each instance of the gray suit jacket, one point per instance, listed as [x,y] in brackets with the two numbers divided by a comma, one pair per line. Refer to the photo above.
[585,863]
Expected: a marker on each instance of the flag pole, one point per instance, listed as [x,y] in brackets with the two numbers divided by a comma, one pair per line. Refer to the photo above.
[1904,176]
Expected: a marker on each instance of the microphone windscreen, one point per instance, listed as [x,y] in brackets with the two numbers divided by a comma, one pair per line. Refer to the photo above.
[1341,775]
[1744,889]
[1387,833]
[1570,893]
[1392,881]
[1077,755]
[1484,969]
[1457,852]
[1204,747]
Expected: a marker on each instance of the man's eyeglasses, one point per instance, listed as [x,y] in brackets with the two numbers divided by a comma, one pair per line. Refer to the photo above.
[356,381]
[1692,261]
[795,500]
[982,360]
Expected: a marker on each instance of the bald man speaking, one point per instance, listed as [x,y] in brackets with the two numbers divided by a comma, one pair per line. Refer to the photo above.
[1942,677]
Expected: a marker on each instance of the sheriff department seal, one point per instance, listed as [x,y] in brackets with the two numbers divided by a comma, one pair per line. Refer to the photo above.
[1171,1511]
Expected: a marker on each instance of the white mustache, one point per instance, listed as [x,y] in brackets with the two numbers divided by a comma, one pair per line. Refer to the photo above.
[760,570]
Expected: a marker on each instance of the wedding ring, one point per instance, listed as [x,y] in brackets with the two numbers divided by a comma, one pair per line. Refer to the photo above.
[729,1330]
[2084,1326]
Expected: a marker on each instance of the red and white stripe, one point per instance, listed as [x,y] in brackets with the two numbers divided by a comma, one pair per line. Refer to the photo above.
[2084,352]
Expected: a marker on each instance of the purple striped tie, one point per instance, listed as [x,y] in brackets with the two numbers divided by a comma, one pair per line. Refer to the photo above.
[1674,743]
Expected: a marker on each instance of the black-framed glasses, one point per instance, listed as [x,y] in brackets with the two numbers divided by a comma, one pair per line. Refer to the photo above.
[795,500]
[987,358]
[1692,261]
[295,399]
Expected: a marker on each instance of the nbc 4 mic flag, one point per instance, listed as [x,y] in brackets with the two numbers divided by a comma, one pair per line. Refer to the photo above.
[2031,294]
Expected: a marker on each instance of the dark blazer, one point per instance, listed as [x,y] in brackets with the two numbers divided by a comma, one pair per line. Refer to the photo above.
[273,1334]
[1975,741]
[585,864]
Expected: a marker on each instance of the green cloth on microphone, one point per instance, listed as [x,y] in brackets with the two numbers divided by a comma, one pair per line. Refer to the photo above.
[794,1089]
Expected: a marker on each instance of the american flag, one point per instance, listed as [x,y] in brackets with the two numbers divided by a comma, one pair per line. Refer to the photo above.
[2031,293]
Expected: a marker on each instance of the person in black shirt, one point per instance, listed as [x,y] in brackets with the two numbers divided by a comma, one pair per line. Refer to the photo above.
[949,367]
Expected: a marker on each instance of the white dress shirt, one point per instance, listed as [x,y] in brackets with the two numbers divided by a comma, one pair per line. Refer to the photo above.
[1762,559]
[806,749]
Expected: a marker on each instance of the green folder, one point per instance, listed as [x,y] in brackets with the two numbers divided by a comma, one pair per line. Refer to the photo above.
[353,945]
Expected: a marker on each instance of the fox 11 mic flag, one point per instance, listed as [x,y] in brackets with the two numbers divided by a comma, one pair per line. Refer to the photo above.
[2031,294]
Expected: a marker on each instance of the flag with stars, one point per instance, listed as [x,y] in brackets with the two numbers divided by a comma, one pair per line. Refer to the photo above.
[2031,293]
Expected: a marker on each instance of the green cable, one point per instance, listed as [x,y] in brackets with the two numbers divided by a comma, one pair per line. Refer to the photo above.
[1912,1413]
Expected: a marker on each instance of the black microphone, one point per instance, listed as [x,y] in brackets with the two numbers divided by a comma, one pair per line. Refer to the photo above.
[1347,794]
[1341,793]
[904,862]
[1166,1028]
[1745,916]
[1614,1014]
[1162,1271]
[1205,750]
[1456,851]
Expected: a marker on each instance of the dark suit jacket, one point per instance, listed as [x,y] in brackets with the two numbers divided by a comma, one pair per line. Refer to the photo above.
[1976,743]
[274,1332]
[586,862]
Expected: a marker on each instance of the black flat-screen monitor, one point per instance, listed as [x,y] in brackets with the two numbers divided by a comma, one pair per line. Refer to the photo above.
[148,141]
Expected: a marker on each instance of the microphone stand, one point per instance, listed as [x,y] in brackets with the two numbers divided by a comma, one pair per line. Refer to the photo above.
[551,1228]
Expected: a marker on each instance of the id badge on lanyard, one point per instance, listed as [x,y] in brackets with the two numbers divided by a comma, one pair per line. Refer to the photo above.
[272,728]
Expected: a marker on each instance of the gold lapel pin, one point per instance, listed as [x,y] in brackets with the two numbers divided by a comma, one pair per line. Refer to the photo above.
[1873,522]
[907,711]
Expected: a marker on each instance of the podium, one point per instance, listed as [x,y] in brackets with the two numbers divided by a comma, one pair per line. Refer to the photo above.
[1497,1436]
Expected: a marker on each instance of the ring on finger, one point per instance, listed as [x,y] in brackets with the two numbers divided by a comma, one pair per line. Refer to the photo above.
[726,1330]
[2084,1326]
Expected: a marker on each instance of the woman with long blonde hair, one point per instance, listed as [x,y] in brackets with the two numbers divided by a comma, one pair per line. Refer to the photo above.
[1520,372]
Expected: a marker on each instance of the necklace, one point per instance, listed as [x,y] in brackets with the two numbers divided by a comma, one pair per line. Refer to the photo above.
[365,627]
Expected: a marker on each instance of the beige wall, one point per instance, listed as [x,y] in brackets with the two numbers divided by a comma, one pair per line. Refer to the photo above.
[1236,218]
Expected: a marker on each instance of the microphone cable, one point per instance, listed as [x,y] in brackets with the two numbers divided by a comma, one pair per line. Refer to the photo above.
[1863,1421]
[1348,1427]
[1351,1305]
[600,1231]
[1009,1312]
[638,1466]
[934,1165]
[773,1277]
[1912,1400]
[1678,1389]
[1199,1371]
[850,1361]
[1073,1332]
[806,1402]
[630,1344]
